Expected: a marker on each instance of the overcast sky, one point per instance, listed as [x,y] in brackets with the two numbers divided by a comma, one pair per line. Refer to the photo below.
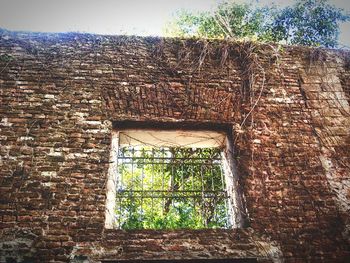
[140,17]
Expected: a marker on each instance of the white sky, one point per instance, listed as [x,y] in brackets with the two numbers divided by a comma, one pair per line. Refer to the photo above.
[140,17]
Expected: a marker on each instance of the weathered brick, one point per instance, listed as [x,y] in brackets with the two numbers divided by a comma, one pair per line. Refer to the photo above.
[62,92]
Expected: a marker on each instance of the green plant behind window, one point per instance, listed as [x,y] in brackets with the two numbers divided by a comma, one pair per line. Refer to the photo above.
[171,188]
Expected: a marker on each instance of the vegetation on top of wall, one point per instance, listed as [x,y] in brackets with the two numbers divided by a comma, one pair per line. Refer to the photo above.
[308,22]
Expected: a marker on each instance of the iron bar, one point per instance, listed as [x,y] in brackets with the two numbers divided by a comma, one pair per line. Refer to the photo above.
[158,182]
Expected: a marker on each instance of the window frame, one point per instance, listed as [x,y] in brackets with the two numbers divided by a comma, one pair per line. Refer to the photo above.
[237,210]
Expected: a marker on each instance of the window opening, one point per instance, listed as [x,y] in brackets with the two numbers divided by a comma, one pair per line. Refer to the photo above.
[171,188]
[172,177]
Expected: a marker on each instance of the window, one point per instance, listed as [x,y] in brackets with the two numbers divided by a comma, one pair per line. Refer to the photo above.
[171,179]
[171,187]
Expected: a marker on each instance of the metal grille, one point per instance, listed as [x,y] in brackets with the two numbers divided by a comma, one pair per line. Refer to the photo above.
[171,188]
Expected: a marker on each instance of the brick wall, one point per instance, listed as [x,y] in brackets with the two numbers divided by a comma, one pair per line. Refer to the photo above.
[61,93]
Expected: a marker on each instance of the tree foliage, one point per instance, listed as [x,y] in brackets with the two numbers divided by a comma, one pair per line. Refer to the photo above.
[308,22]
[170,189]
